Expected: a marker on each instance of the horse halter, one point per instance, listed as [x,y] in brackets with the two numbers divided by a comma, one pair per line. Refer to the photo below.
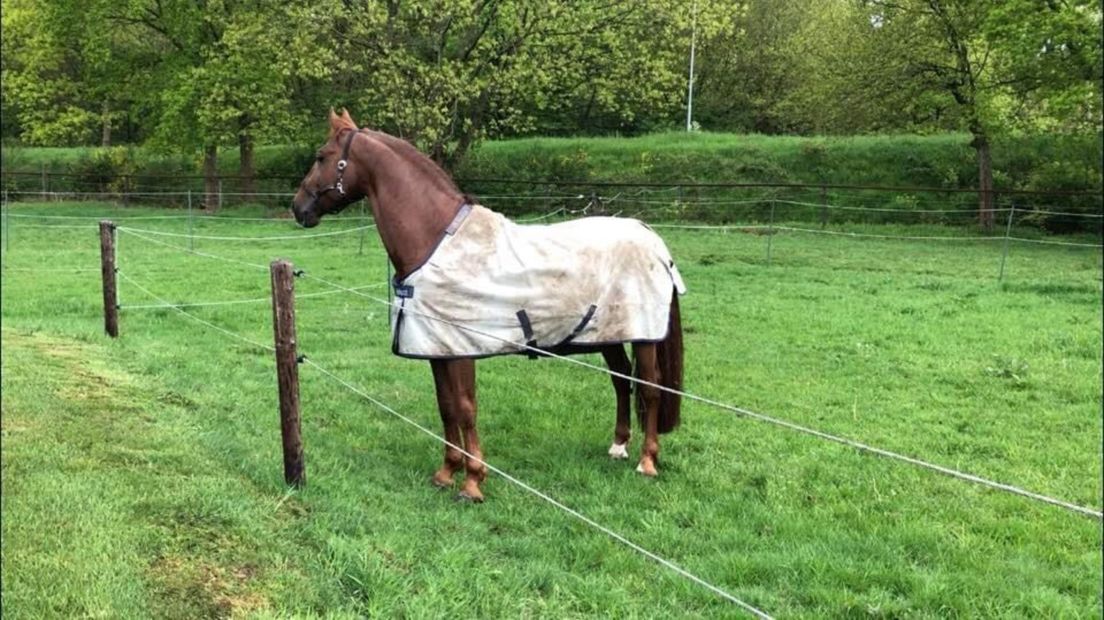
[341,165]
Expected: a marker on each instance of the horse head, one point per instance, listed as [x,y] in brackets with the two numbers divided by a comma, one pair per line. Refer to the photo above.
[330,185]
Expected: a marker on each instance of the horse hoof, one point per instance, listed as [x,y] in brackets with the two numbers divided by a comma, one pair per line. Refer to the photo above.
[619,451]
[648,469]
[464,496]
[441,481]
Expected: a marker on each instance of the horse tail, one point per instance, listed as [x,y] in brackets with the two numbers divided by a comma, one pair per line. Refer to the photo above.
[669,356]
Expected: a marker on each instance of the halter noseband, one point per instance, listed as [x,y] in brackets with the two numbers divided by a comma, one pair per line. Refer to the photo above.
[341,165]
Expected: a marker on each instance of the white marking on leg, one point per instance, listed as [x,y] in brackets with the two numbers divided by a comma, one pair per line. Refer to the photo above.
[639,468]
[619,450]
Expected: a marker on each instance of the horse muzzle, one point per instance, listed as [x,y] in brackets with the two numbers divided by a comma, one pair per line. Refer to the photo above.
[306,216]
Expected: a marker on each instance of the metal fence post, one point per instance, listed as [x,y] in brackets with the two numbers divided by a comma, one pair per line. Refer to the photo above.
[7,223]
[360,248]
[191,233]
[823,207]
[1007,240]
[390,283]
[770,233]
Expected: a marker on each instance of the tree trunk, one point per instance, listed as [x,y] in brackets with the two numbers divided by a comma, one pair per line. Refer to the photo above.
[245,169]
[210,178]
[985,180]
[105,118]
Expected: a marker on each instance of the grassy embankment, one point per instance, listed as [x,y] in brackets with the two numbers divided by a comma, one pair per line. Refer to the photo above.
[1039,163]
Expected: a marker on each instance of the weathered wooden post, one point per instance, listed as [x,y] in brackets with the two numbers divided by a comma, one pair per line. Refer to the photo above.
[107,272]
[287,369]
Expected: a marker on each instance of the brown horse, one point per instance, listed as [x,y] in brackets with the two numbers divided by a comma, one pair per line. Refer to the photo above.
[416,206]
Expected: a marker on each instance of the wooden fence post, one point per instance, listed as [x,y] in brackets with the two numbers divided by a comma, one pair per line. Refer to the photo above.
[287,369]
[107,271]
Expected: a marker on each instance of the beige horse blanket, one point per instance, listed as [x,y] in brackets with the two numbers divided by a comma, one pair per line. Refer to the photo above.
[491,284]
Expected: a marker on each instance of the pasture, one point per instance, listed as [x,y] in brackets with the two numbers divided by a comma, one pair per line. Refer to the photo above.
[142,476]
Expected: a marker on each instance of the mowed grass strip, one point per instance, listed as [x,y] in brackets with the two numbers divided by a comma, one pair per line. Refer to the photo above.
[113,504]
[909,346]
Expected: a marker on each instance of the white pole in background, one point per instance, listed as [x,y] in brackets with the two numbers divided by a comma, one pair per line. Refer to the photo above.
[690,80]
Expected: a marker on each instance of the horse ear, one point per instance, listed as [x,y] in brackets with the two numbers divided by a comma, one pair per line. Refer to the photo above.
[335,120]
[348,119]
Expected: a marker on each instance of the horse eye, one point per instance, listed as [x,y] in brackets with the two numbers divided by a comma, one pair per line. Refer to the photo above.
[319,158]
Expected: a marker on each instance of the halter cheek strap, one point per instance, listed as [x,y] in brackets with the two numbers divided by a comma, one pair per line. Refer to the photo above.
[341,165]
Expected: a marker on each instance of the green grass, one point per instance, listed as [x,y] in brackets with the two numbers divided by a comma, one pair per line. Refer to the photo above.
[142,476]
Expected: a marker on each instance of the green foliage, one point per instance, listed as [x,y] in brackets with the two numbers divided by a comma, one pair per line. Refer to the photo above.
[105,170]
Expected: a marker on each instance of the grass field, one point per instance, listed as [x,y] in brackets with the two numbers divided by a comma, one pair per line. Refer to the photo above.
[142,476]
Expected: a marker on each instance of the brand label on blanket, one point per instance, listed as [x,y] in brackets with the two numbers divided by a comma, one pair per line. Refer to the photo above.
[404,290]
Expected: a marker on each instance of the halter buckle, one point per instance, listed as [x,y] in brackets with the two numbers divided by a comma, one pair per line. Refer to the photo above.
[341,165]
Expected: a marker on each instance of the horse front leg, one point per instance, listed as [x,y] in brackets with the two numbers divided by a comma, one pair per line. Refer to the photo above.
[454,458]
[647,403]
[618,361]
[456,380]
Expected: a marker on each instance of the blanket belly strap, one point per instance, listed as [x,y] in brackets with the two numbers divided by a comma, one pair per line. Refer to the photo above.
[580,327]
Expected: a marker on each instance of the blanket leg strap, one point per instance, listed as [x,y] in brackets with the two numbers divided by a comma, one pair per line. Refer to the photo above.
[527,331]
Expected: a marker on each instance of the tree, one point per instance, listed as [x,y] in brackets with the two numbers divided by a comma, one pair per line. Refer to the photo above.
[227,74]
[988,56]
[65,74]
[445,73]
[747,71]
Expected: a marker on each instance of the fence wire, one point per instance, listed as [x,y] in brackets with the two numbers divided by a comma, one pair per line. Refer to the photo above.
[745,412]
[758,613]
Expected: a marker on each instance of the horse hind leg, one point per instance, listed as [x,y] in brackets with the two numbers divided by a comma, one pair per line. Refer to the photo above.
[618,361]
[647,403]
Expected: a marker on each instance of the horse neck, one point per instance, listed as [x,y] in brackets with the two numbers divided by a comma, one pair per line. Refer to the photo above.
[412,207]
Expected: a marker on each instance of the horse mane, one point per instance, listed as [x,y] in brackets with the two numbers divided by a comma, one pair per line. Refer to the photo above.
[430,170]
[419,160]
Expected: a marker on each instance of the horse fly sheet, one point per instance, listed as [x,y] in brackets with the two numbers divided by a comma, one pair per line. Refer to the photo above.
[491,283]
